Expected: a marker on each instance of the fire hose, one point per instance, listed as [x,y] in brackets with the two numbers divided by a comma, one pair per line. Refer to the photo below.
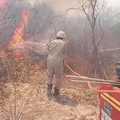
[83,79]
[92,80]
[77,74]
[77,77]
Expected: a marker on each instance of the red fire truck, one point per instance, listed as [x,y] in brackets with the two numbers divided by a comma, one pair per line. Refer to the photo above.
[110,100]
[109,103]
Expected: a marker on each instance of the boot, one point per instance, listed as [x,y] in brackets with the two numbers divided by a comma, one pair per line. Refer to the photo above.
[49,91]
[56,92]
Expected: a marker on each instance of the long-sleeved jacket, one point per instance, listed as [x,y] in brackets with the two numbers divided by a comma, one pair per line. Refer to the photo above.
[56,51]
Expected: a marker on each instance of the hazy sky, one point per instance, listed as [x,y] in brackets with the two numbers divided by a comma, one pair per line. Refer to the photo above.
[61,5]
[114,3]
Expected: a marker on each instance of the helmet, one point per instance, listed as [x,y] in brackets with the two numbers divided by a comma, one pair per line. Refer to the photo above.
[60,34]
[118,63]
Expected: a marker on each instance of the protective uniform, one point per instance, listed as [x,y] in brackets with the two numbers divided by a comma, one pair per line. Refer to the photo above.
[55,63]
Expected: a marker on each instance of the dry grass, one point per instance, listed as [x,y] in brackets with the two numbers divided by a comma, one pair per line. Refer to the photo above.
[24,97]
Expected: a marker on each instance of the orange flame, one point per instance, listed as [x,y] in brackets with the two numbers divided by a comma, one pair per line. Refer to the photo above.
[18,37]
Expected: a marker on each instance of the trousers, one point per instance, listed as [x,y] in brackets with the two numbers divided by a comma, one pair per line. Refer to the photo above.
[55,70]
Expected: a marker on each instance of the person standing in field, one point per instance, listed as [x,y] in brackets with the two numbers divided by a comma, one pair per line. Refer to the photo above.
[55,64]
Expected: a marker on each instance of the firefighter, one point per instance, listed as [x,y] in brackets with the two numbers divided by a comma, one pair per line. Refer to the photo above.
[118,69]
[118,72]
[55,64]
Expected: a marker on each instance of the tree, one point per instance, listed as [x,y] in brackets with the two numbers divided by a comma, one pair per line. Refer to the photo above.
[92,9]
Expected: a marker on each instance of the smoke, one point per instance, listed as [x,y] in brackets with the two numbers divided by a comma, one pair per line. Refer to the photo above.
[10,18]
[3,4]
